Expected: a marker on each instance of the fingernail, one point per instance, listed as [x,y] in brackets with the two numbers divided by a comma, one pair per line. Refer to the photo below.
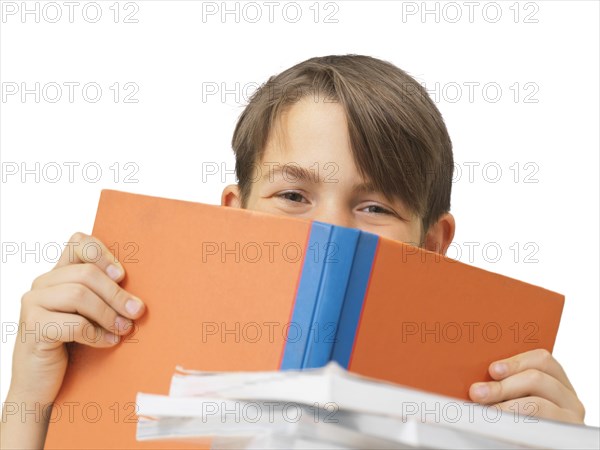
[111,338]
[113,272]
[133,306]
[500,369]
[122,324]
[481,391]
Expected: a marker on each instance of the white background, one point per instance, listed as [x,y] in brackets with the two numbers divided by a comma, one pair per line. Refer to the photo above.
[174,54]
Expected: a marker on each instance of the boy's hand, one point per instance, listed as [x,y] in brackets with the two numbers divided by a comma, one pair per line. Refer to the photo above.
[79,300]
[531,384]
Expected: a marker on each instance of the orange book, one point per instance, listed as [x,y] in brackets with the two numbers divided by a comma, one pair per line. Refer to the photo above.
[229,289]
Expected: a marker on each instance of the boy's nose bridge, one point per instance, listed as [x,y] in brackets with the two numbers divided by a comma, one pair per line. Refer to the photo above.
[334,215]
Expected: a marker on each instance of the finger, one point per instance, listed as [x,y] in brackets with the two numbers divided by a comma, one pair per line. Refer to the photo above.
[77,299]
[91,276]
[531,382]
[526,409]
[62,327]
[82,248]
[539,359]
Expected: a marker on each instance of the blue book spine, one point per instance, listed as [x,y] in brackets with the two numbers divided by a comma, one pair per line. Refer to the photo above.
[306,297]
[338,255]
[355,294]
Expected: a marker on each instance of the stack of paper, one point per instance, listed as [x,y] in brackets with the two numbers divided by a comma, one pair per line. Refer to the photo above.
[332,408]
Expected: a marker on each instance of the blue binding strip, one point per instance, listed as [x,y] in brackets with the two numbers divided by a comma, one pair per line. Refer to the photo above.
[355,294]
[306,297]
[338,256]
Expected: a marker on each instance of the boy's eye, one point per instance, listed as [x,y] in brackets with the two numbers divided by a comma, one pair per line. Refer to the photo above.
[292,196]
[376,209]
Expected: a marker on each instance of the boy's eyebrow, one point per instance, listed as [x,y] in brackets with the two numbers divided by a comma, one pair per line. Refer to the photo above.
[291,172]
[368,187]
[294,172]
[365,188]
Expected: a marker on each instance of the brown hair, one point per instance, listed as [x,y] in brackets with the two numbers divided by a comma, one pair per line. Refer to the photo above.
[398,138]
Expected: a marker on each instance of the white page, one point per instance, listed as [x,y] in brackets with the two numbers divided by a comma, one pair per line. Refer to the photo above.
[350,392]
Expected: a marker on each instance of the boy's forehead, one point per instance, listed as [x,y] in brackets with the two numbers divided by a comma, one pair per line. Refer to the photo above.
[311,134]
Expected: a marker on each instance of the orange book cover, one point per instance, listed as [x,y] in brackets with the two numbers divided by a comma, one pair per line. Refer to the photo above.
[212,303]
[421,319]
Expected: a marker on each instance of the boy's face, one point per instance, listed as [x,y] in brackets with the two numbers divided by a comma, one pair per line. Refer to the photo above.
[307,171]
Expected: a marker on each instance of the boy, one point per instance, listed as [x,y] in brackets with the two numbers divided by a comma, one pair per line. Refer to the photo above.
[349,140]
